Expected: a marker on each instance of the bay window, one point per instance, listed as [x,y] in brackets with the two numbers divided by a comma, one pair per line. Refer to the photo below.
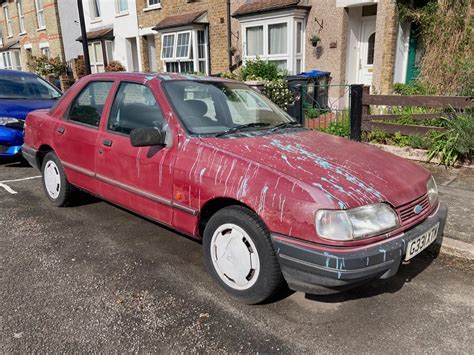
[185,51]
[10,60]
[277,39]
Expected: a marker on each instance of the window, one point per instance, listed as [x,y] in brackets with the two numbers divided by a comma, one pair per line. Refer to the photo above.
[255,41]
[180,53]
[95,9]
[153,3]
[370,49]
[122,6]
[8,21]
[109,51]
[96,57]
[214,107]
[1,38]
[16,60]
[45,52]
[21,16]
[183,45]
[23,86]
[88,106]
[278,40]
[7,60]
[10,60]
[167,50]
[134,107]
[40,14]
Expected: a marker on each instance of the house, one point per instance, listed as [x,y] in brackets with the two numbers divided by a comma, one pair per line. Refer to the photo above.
[28,28]
[360,41]
[112,33]
[184,35]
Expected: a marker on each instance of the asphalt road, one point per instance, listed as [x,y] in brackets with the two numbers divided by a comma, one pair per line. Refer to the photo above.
[96,277]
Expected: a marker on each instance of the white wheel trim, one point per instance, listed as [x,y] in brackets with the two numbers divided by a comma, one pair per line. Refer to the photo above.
[52,179]
[235,257]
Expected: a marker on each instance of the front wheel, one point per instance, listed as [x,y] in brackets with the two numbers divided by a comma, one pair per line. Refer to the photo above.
[240,256]
[55,183]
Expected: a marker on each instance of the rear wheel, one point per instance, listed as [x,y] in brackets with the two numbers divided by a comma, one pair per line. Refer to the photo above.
[55,184]
[240,256]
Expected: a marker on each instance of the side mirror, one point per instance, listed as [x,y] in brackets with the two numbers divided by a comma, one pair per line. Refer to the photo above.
[147,137]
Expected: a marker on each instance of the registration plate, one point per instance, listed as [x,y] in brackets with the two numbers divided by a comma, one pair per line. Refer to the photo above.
[419,244]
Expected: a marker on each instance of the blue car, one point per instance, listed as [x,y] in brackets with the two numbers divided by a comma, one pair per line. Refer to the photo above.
[20,93]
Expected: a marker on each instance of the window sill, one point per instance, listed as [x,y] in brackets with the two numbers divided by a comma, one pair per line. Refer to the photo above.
[151,8]
[41,29]
[11,36]
[121,14]
[22,33]
[98,19]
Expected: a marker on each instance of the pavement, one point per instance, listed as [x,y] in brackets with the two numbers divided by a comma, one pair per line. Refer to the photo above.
[93,277]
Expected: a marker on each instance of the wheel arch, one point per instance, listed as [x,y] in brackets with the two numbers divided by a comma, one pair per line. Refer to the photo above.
[214,205]
[42,151]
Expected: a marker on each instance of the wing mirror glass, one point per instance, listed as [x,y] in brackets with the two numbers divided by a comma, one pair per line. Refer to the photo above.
[147,137]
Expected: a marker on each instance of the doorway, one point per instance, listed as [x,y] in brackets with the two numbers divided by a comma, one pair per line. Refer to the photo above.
[151,51]
[367,51]
[132,55]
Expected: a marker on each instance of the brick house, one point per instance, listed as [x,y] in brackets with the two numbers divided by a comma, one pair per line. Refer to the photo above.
[28,28]
[184,35]
[361,41]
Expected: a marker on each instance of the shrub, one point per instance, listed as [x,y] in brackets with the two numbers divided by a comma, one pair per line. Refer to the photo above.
[113,66]
[340,128]
[278,92]
[455,143]
[413,88]
[259,69]
[44,66]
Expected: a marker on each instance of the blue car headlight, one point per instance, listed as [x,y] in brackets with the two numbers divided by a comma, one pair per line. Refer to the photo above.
[12,122]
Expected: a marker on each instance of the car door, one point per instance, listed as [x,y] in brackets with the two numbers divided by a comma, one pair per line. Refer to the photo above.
[139,179]
[75,136]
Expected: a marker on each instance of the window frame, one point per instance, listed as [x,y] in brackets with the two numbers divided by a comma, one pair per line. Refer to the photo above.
[68,111]
[120,11]
[40,15]
[8,20]
[152,6]
[92,9]
[291,19]
[21,16]
[119,84]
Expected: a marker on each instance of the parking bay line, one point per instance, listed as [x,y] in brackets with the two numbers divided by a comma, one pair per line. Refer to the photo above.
[9,189]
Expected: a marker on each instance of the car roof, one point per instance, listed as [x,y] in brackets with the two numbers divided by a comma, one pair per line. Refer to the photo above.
[158,76]
[16,72]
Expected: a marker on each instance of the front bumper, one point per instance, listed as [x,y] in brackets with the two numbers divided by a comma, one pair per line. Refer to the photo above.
[11,140]
[317,269]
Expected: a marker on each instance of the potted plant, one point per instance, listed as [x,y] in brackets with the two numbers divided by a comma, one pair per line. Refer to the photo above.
[314,40]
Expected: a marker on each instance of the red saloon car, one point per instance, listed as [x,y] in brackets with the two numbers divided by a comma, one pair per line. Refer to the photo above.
[215,160]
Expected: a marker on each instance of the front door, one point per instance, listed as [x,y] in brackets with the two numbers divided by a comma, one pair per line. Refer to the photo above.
[139,179]
[75,136]
[367,46]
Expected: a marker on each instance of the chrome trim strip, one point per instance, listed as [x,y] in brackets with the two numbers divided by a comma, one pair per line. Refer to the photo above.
[86,172]
[186,209]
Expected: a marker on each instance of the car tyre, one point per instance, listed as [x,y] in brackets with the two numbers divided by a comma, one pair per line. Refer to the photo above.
[239,254]
[55,184]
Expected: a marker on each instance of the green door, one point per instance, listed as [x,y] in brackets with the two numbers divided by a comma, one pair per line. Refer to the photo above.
[412,68]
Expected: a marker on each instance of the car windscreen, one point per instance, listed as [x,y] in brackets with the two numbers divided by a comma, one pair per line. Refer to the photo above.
[26,87]
[213,107]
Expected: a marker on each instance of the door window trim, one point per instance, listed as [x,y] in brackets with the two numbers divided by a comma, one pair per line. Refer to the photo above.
[113,101]
[65,116]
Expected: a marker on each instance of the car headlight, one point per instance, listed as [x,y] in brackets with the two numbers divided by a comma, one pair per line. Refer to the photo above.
[432,191]
[12,122]
[356,223]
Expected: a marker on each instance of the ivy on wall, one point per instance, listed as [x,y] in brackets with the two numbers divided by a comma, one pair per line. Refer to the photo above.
[445,26]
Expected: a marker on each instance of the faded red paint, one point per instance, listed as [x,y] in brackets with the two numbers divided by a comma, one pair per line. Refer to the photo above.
[284,177]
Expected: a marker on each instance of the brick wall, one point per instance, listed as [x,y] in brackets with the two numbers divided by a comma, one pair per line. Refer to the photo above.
[33,36]
[216,10]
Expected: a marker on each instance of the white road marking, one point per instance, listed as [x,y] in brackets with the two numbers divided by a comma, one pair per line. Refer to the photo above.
[9,189]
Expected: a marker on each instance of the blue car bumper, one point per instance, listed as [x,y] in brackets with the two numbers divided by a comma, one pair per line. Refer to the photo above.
[11,140]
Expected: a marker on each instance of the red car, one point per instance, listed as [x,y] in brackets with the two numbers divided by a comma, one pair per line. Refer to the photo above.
[215,160]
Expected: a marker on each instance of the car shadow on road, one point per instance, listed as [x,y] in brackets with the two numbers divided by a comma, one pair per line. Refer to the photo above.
[14,162]
[406,273]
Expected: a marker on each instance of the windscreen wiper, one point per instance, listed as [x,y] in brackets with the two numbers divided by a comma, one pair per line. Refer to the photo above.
[285,125]
[242,127]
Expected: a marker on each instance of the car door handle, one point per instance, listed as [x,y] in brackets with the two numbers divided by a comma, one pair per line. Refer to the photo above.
[107,142]
[60,130]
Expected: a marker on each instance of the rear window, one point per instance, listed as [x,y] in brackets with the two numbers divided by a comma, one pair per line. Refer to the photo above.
[28,87]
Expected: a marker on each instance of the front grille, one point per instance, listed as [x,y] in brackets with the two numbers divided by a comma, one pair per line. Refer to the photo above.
[407,213]
[3,148]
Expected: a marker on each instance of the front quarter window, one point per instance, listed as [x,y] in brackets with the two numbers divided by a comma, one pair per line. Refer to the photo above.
[214,107]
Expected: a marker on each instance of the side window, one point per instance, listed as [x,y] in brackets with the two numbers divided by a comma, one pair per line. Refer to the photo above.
[134,107]
[88,106]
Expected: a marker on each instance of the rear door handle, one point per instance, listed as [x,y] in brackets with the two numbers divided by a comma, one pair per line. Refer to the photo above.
[107,142]
[60,130]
